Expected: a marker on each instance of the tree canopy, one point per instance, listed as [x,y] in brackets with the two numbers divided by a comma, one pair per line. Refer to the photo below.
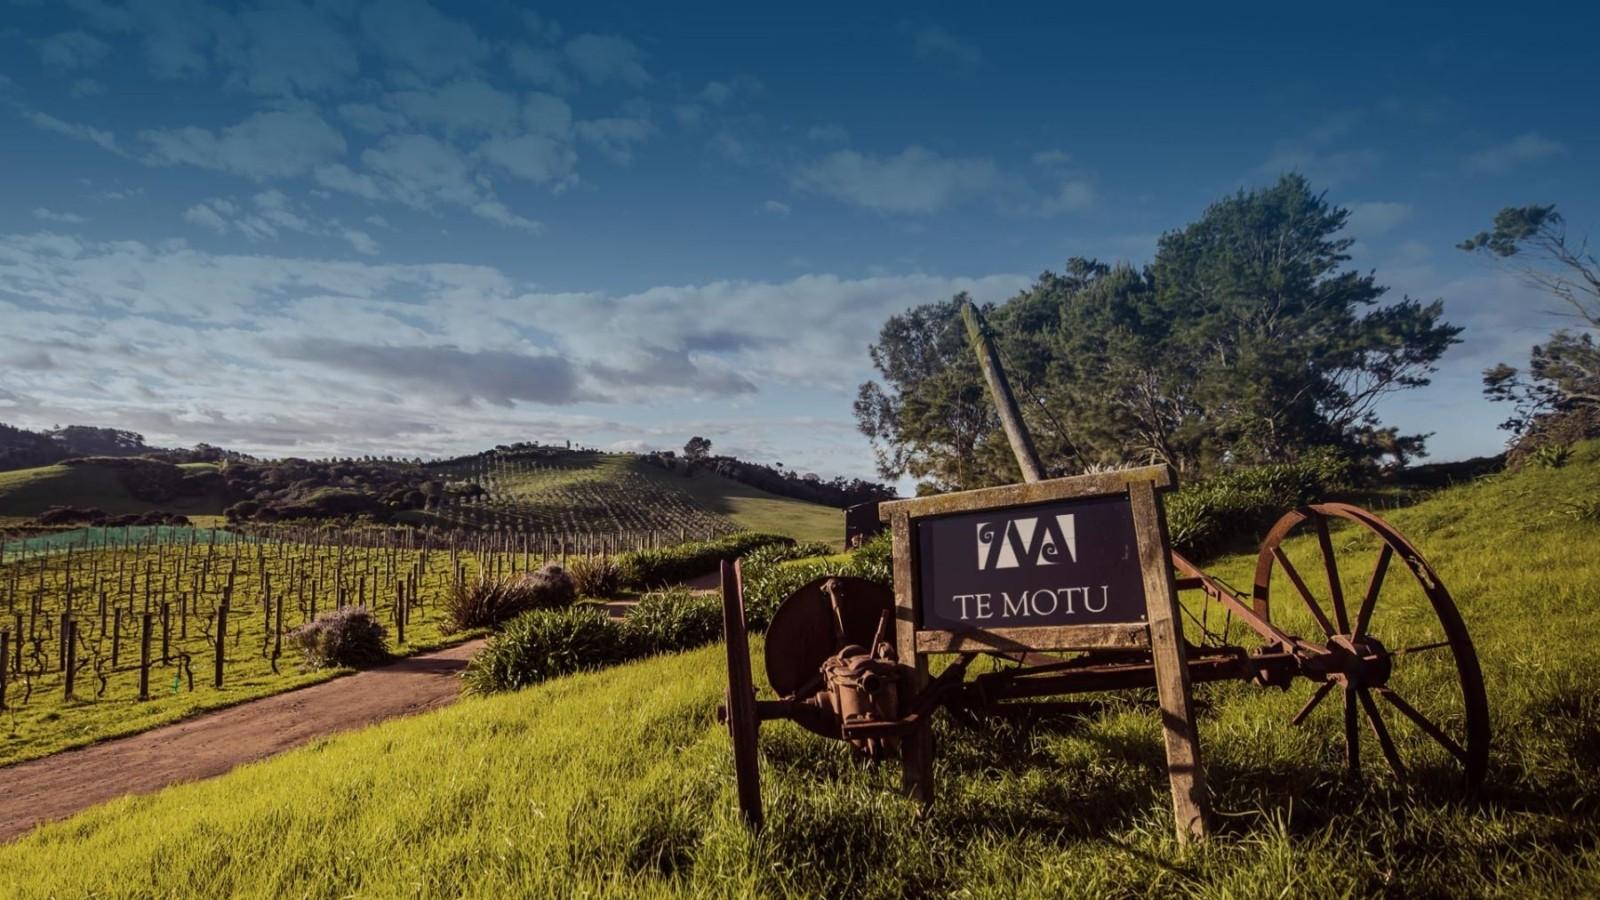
[1246,339]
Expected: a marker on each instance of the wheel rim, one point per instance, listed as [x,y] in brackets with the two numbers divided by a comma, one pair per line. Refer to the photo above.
[1410,683]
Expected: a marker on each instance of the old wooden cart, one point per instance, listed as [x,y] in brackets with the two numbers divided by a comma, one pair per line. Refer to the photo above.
[1073,579]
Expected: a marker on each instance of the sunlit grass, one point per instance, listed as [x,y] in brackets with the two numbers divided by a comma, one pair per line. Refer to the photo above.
[620,783]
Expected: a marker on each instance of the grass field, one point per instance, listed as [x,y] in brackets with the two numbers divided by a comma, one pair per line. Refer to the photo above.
[28,492]
[619,783]
[38,719]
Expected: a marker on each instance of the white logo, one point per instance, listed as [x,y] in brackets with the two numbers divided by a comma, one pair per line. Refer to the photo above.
[1032,541]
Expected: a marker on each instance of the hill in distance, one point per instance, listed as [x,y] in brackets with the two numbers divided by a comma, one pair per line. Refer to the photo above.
[550,490]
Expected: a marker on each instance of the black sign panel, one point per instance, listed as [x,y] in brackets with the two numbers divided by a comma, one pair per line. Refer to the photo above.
[1074,562]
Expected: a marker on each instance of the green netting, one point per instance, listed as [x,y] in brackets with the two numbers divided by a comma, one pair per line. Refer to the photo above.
[118,536]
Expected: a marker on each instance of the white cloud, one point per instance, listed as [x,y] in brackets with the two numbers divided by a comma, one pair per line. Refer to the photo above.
[914,181]
[775,207]
[934,43]
[533,157]
[287,48]
[537,66]
[370,118]
[1051,158]
[72,50]
[1071,195]
[1526,148]
[464,105]
[104,139]
[268,214]
[273,144]
[546,114]
[616,136]
[1368,220]
[605,58]
[60,218]
[414,34]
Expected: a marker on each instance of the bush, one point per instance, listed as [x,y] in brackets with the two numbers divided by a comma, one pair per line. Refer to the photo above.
[350,636]
[543,644]
[664,566]
[597,576]
[490,601]
[668,621]
[767,584]
[1208,516]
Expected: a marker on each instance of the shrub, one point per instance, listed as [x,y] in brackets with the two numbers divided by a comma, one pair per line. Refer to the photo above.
[767,584]
[543,644]
[597,576]
[351,636]
[648,569]
[1208,516]
[489,601]
[667,621]
[1551,456]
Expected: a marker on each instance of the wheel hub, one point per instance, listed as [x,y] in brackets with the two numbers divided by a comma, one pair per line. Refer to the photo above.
[1359,662]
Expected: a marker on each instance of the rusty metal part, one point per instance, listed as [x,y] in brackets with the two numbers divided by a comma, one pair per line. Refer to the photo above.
[812,625]
[1355,659]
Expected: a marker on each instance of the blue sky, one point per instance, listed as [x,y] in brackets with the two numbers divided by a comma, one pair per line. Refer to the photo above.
[395,227]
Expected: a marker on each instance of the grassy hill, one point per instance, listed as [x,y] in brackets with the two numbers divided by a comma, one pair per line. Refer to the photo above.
[620,492]
[535,794]
[574,492]
[28,492]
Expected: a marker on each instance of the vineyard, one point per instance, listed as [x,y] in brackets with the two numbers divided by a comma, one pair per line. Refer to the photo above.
[603,496]
[112,634]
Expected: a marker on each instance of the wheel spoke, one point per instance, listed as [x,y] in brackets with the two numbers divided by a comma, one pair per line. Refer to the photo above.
[1375,584]
[1422,722]
[1385,743]
[1335,589]
[1352,732]
[1311,704]
[1300,586]
[1419,648]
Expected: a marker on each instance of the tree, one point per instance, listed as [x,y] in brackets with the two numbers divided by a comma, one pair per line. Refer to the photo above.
[1563,376]
[697,448]
[1245,340]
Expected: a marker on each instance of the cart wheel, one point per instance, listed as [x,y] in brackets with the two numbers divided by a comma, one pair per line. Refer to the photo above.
[740,705]
[1402,642]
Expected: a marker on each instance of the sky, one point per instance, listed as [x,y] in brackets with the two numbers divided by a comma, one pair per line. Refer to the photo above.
[303,228]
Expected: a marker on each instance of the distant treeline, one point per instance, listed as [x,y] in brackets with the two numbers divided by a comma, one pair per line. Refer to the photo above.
[24,449]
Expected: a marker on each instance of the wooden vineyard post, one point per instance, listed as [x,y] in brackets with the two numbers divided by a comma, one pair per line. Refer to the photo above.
[400,613]
[1171,666]
[149,626]
[5,665]
[166,632]
[222,631]
[71,661]
[116,637]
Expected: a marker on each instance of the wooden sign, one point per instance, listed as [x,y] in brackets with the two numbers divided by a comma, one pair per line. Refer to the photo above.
[1079,563]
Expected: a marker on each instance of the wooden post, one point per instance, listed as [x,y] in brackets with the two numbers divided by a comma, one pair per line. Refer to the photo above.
[399,614]
[71,661]
[222,631]
[1171,666]
[916,748]
[144,656]
[166,632]
[1010,417]
[5,664]
[116,637]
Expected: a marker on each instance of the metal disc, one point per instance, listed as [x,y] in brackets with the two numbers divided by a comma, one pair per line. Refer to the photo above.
[801,636]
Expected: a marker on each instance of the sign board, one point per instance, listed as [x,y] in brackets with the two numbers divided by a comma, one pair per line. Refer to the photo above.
[1079,563]
[1072,562]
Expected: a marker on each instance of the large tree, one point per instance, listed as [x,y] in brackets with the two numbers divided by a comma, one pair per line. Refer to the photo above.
[1245,340]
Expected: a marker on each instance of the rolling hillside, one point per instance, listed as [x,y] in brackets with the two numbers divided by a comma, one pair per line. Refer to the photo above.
[28,492]
[576,492]
[533,793]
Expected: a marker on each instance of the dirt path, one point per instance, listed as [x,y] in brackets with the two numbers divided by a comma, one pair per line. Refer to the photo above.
[209,745]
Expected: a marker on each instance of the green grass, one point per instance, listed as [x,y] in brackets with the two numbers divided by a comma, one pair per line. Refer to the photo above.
[28,492]
[756,510]
[619,782]
[45,722]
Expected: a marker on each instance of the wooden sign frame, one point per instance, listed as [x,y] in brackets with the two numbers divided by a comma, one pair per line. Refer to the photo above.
[1160,632]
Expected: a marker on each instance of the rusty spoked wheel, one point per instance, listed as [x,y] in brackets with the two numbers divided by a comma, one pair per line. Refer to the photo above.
[1394,647]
